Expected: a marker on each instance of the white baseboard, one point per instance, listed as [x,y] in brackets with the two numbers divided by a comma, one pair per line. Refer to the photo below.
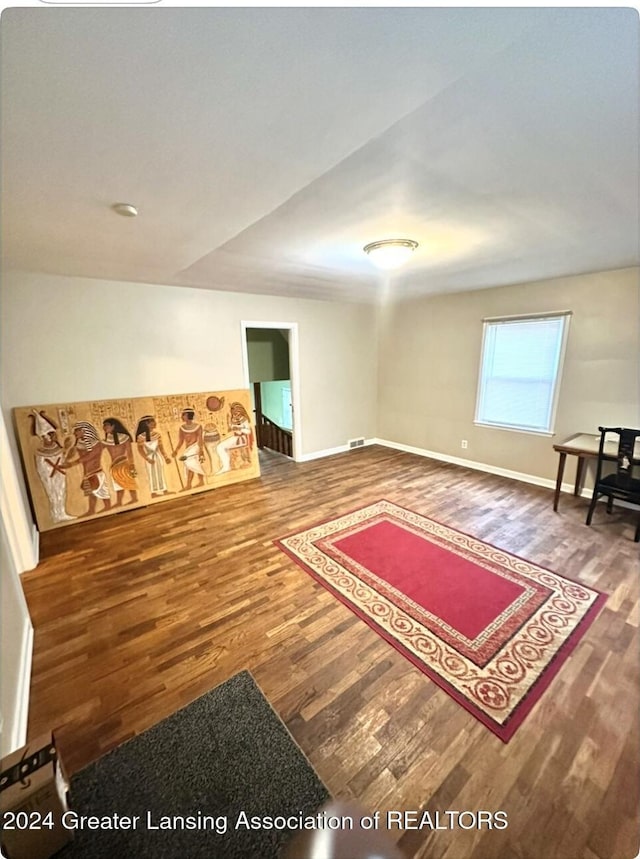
[331,451]
[35,541]
[31,558]
[14,733]
[482,466]
[522,476]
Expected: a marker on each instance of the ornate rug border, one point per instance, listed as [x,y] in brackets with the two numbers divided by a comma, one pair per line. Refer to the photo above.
[507,728]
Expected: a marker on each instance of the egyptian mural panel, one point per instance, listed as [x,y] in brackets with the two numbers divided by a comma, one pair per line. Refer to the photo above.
[86,460]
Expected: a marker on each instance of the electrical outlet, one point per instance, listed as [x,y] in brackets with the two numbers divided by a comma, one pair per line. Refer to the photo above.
[464,444]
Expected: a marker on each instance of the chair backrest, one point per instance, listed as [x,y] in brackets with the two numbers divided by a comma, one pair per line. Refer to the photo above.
[624,457]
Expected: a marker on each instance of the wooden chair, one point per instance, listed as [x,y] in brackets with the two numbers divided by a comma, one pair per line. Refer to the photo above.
[622,484]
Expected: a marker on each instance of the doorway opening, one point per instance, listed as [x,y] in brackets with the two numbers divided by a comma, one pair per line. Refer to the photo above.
[271,372]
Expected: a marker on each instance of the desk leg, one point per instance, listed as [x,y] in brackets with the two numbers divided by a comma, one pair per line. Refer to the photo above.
[561,462]
[579,475]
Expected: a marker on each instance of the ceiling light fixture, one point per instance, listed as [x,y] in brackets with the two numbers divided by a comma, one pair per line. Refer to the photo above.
[125,209]
[390,253]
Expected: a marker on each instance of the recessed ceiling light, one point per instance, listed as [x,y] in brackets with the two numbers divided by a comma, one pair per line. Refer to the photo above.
[127,210]
[390,253]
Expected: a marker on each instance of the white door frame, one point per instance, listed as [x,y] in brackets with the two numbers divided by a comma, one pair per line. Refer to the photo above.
[294,369]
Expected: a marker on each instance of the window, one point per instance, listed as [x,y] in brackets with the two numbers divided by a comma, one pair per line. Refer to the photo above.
[520,371]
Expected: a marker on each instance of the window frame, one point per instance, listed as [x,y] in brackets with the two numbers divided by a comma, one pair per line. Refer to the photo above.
[489,321]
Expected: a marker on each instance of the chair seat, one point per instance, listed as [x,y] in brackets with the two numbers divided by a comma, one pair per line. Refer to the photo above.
[611,483]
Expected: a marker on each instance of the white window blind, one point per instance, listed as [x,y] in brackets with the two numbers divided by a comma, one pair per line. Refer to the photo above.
[520,371]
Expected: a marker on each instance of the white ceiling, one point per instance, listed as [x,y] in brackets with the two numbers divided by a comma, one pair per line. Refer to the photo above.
[265,146]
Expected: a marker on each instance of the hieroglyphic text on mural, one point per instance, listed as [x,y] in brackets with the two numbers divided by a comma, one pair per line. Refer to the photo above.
[121,409]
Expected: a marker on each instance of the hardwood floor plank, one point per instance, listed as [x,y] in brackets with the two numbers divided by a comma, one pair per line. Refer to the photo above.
[138,614]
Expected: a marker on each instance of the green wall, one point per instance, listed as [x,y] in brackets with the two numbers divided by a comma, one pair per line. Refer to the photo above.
[268,350]
[272,400]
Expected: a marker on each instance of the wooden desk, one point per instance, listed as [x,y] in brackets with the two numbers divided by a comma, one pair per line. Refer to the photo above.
[584,446]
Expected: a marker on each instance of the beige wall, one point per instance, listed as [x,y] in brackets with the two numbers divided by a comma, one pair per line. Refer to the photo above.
[68,338]
[429,351]
[74,338]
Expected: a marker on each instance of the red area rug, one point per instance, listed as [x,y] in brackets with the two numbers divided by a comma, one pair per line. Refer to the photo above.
[488,627]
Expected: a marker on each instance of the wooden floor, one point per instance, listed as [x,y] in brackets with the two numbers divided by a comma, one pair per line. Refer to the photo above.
[136,615]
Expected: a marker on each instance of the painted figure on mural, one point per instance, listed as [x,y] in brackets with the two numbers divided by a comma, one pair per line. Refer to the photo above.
[211,439]
[49,459]
[151,449]
[241,436]
[191,435]
[119,444]
[86,449]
